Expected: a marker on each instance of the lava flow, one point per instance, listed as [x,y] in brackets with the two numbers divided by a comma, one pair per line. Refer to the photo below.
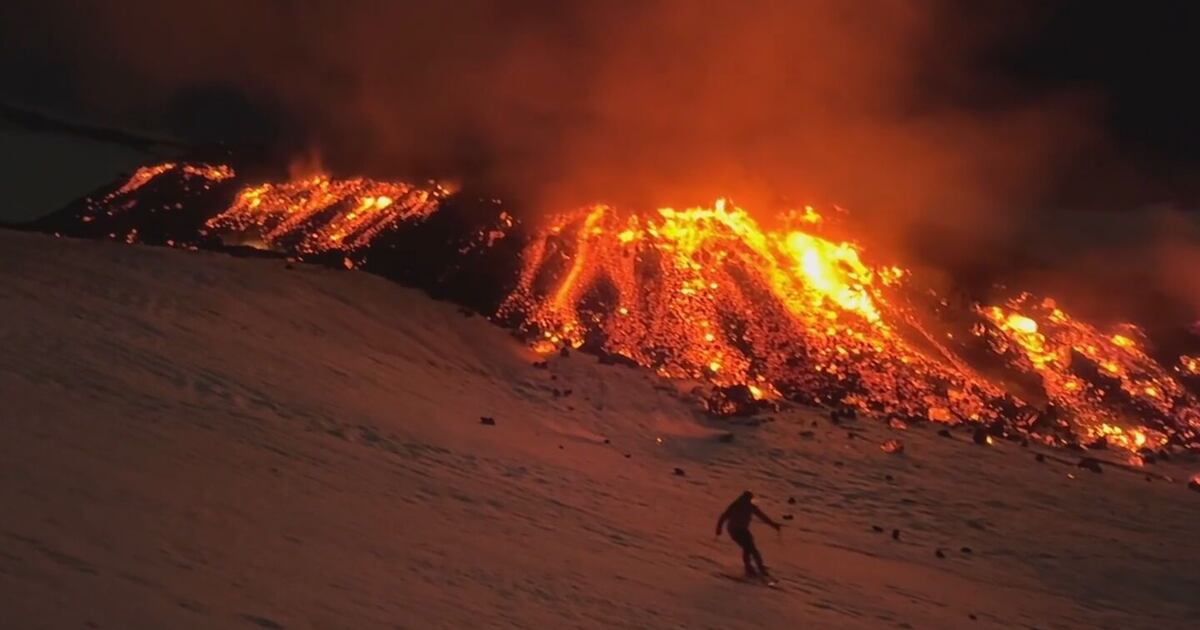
[702,293]
[707,293]
[318,214]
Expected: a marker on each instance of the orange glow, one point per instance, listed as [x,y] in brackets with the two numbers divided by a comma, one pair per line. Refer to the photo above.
[1053,347]
[673,282]
[709,293]
[319,214]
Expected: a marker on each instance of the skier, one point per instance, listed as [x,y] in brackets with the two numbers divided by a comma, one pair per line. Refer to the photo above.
[738,515]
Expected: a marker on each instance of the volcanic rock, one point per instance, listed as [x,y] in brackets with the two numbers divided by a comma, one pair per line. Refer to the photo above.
[894,447]
[939,553]
[487,420]
[541,365]
[735,401]
[564,352]
[1194,484]
[944,433]
[895,534]
[897,424]
[1091,464]
[1039,458]
[679,472]
[981,436]
[965,550]
[877,529]
[788,517]
[612,358]
[791,500]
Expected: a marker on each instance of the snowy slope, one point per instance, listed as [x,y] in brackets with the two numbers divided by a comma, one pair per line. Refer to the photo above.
[190,440]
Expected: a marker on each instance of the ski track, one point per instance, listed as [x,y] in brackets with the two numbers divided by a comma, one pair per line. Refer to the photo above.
[190,440]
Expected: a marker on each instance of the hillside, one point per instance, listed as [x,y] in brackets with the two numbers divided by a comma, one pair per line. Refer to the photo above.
[192,440]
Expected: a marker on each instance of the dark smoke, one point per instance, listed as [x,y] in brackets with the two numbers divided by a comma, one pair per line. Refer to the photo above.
[899,110]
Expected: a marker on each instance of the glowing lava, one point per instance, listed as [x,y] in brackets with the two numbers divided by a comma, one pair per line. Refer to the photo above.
[708,293]
[320,214]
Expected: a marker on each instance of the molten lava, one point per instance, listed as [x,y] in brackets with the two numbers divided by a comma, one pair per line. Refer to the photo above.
[762,314]
[707,293]
[319,214]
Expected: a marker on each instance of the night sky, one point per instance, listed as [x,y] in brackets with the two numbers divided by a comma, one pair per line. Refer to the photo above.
[1125,71]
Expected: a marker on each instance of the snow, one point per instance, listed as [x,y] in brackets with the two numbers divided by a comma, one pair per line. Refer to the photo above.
[191,440]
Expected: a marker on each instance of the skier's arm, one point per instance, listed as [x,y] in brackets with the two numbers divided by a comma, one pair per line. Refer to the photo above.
[721,521]
[765,518]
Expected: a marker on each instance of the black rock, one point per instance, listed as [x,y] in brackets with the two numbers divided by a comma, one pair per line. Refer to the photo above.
[877,529]
[965,550]
[679,472]
[734,401]
[895,534]
[791,500]
[807,434]
[488,420]
[972,617]
[1194,485]
[627,455]
[939,553]
[838,464]
[980,436]
[788,517]
[725,438]
[564,352]
[1099,444]
[1091,464]
[541,365]
[945,433]
[607,441]
[566,392]
[1039,458]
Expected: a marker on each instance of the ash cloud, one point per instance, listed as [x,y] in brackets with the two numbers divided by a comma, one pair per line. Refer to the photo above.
[895,109]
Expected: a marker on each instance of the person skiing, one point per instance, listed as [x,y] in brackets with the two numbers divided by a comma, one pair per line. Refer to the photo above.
[738,516]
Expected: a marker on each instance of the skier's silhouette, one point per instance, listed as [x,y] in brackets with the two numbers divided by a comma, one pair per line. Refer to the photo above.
[738,516]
